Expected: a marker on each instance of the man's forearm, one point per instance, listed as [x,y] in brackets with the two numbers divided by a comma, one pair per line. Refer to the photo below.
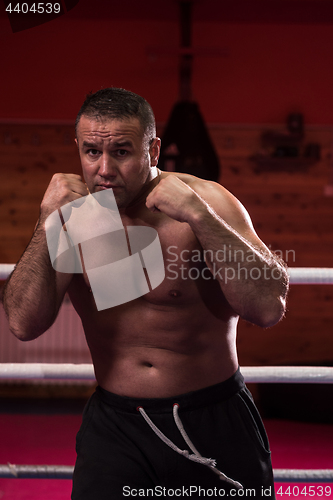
[30,294]
[253,281]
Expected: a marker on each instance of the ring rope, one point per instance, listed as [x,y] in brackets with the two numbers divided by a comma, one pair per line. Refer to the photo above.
[5,270]
[288,374]
[297,275]
[310,275]
[252,374]
[36,471]
[47,371]
[66,472]
[303,475]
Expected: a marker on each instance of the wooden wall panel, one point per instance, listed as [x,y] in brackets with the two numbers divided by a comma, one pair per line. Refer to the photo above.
[30,155]
[289,210]
[291,214]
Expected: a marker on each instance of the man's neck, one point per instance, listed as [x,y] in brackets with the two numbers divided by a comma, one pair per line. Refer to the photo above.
[153,179]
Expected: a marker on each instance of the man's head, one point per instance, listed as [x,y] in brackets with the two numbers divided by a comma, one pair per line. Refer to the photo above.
[115,134]
[119,104]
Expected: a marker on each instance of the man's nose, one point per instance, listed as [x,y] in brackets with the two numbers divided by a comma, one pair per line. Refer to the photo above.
[107,166]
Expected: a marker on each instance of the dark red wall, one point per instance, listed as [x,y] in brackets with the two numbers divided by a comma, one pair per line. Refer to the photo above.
[266,70]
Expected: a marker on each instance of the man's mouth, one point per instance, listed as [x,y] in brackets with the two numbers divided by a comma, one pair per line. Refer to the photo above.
[107,186]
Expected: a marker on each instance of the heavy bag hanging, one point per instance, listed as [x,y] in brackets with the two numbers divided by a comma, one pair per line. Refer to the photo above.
[186,145]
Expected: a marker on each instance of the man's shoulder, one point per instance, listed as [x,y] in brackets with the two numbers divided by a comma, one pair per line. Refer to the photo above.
[224,203]
[196,183]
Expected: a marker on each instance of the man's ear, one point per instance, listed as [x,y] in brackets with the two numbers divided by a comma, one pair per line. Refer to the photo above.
[154,151]
[76,142]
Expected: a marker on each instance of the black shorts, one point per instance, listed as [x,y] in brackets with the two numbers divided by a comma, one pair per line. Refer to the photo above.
[120,456]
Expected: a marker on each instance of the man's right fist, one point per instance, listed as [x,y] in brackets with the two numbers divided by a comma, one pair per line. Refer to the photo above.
[62,189]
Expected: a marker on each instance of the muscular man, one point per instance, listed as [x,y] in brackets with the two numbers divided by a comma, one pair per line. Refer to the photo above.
[170,397]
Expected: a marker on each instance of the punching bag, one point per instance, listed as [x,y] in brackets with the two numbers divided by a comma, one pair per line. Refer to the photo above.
[186,145]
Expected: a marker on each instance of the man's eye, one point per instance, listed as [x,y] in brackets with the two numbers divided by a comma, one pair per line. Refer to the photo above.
[93,152]
[122,152]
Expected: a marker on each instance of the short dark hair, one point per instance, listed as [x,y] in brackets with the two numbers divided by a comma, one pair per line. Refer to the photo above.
[117,103]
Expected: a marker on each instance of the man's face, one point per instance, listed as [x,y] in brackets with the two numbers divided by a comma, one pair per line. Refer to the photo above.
[116,154]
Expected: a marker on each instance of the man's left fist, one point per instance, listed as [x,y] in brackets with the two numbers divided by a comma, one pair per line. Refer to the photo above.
[174,198]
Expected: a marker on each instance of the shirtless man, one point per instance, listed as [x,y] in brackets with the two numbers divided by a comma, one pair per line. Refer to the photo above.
[177,343]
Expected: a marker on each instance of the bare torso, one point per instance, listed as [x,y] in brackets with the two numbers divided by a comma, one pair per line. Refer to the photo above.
[177,338]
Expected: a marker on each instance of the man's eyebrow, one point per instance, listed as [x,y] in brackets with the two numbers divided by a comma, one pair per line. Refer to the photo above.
[117,144]
[122,144]
[87,144]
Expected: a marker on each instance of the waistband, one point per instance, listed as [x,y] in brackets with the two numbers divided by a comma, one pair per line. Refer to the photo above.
[189,401]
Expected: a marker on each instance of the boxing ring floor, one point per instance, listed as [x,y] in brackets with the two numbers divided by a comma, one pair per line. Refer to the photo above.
[32,439]
[49,437]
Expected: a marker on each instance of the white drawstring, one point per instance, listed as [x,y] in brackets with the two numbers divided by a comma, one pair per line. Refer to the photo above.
[195,457]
